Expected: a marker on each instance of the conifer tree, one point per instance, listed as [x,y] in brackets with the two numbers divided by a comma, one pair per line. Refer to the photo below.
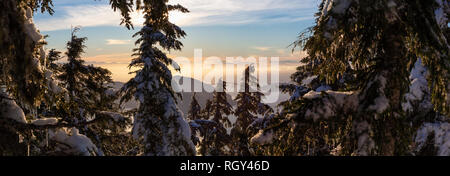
[210,138]
[26,83]
[207,110]
[93,116]
[209,133]
[195,109]
[248,107]
[53,56]
[378,42]
[220,107]
[74,77]
[86,84]
[20,52]
[158,124]
[22,79]
[21,44]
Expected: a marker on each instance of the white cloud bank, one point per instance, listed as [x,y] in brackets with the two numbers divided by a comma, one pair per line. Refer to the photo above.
[211,12]
[117,42]
[262,48]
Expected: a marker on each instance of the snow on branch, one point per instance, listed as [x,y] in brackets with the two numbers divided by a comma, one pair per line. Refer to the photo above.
[53,123]
[45,121]
[263,137]
[418,90]
[10,110]
[330,103]
[79,143]
[441,132]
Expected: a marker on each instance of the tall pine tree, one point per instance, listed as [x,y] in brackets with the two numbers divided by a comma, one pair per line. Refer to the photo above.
[378,42]
[89,105]
[220,107]
[209,133]
[249,106]
[194,109]
[158,123]
[27,83]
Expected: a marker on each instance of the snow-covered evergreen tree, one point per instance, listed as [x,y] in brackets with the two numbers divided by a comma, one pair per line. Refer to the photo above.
[194,109]
[220,108]
[85,102]
[86,85]
[74,78]
[53,56]
[208,108]
[210,138]
[209,133]
[158,123]
[28,80]
[249,106]
[22,79]
[378,43]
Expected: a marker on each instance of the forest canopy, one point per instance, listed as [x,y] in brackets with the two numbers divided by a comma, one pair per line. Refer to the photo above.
[374,82]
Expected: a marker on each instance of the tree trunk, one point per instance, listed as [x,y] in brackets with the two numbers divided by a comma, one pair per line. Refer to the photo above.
[393,65]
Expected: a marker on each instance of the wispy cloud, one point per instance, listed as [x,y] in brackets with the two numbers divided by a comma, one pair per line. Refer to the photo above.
[83,15]
[118,58]
[229,12]
[117,42]
[281,51]
[262,48]
[211,12]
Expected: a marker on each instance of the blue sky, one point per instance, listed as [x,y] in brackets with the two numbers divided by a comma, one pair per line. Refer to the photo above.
[221,28]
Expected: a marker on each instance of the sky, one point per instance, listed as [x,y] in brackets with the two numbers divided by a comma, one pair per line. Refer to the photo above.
[221,28]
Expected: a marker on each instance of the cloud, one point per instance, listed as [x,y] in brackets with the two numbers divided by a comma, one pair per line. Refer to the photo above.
[83,15]
[281,51]
[118,58]
[235,12]
[117,42]
[211,12]
[262,48]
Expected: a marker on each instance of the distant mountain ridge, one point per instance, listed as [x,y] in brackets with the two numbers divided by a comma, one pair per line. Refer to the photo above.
[185,101]
[202,97]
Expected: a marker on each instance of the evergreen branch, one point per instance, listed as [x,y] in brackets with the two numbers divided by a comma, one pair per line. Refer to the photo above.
[24,127]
